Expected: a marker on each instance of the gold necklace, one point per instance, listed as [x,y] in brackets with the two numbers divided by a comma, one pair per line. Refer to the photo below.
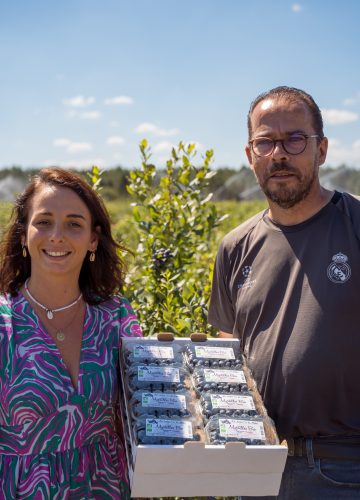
[59,333]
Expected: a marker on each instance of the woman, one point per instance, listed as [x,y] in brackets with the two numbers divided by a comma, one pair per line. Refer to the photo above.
[61,320]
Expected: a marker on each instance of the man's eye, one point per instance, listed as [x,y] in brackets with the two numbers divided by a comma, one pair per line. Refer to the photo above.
[296,139]
[263,142]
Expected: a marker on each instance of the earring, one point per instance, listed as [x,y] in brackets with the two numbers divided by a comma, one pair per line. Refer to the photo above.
[92,257]
[24,252]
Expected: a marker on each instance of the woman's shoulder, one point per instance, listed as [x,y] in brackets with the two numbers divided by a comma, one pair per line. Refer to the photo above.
[122,312]
[114,304]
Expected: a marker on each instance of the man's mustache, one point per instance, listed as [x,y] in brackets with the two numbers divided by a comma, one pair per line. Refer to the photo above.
[282,167]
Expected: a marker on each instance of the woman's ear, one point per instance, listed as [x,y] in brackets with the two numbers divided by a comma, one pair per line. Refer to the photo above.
[95,239]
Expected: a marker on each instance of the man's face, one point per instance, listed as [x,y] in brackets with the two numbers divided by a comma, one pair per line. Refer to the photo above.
[285,179]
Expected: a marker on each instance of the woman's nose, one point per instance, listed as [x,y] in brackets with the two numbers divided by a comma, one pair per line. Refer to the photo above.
[56,233]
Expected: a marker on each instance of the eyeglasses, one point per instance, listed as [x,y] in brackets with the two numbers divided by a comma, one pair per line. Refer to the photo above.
[294,144]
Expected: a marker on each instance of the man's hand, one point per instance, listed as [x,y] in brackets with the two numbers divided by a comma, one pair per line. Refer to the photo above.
[225,335]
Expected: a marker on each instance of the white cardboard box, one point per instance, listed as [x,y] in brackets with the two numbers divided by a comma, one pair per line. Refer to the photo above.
[198,469]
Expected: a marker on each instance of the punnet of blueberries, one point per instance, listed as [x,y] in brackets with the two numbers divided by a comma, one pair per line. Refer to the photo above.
[145,351]
[213,355]
[156,404]
[229,405]
[222,429]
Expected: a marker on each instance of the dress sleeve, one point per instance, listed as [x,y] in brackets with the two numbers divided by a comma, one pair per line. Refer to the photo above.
[130,326]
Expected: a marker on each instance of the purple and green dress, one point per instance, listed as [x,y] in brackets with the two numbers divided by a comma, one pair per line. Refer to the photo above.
[58,442]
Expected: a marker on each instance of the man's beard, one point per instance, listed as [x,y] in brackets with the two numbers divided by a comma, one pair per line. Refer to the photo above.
[285,196]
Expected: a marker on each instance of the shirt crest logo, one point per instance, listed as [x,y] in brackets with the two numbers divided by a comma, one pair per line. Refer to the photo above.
[247,282]
[339,270]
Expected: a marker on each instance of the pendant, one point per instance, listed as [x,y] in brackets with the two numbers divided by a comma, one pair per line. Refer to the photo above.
[49,314]
[60,336]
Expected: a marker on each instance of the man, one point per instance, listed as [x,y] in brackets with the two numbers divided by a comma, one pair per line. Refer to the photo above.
[286,283]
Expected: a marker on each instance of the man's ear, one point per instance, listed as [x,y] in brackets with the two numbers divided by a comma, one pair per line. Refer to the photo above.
[248,154]
[323,147]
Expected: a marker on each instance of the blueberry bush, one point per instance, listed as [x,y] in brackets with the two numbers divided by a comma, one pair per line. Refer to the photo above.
[169,285]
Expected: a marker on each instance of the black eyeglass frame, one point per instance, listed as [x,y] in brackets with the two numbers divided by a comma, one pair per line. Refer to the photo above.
[274,141]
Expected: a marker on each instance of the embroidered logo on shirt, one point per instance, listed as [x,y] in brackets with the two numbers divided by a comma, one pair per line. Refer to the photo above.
[246,272]
[339,271]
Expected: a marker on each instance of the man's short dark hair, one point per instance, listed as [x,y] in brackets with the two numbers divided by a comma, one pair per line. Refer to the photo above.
[290,94]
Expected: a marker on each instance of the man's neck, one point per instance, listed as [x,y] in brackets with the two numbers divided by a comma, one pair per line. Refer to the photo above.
[302,211]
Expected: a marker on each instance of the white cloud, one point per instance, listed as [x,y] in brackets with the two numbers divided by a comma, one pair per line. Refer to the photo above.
[79,101]
[338,116]
[350,101]
[163,146]
[339,153]
[151,128]
[72,147]
[84,115]
[90,115]
[115,140]
[296,7]
[77,147]
[119,100]
[61,142]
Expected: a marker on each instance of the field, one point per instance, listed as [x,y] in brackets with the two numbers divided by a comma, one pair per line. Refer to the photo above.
[124,227]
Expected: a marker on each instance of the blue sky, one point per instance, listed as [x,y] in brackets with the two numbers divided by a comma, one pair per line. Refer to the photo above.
[83,81]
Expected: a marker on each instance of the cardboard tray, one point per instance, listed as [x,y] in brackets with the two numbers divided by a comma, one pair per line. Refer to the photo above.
[198,469]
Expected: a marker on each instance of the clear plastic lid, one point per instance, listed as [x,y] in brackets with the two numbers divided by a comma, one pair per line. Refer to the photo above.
[157,378]
[228,405]
[161,404]
[249,430]
[165,430]
[221,354]
[219,380]
[148,351]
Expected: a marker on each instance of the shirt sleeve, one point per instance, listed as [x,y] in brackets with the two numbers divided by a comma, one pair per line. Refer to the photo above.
[221,311]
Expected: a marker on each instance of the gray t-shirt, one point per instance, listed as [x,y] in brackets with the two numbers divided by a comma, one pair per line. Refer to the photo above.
[292,295]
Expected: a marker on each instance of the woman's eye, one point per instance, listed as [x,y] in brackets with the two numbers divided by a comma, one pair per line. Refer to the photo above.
[75,224]
[42,222]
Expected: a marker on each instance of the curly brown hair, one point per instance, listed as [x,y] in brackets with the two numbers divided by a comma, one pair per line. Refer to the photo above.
[97,281]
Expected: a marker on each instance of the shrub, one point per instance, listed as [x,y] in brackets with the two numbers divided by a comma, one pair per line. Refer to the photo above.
[169,285]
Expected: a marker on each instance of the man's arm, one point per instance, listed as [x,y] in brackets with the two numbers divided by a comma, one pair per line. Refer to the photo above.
[225,335]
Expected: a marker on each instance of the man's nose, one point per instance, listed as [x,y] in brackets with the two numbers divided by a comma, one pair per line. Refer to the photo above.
[279,152]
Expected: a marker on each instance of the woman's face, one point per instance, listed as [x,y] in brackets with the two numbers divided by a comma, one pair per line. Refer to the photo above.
[59,232]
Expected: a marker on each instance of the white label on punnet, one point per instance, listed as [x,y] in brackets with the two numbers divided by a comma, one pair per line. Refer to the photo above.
[157,400]
[168,428]
[232,402]
[153,352]
[214,352]
[226,376]
[241,429]
[158,374]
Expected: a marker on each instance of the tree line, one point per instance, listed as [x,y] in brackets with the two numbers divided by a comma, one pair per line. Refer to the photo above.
[228,183]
